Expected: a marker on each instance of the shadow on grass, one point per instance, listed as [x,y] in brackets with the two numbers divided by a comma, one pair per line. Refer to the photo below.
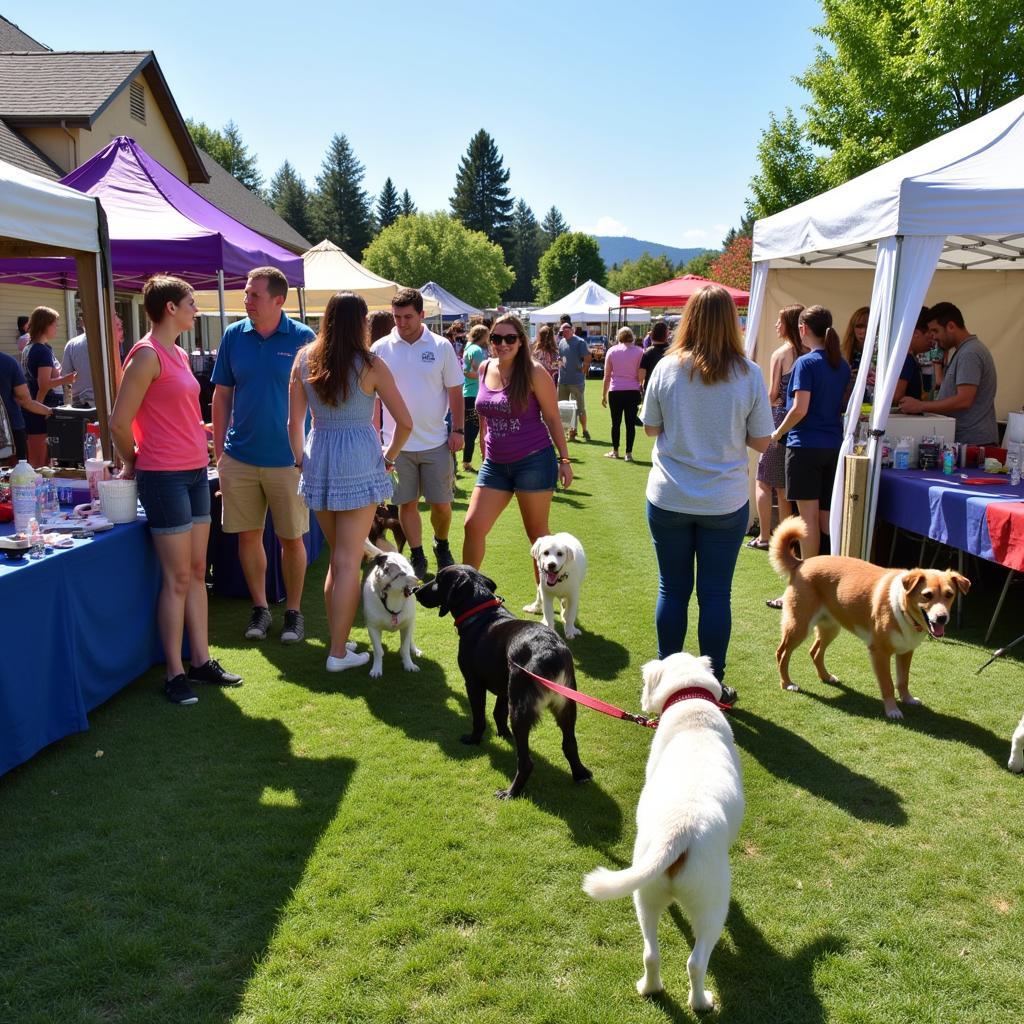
[920,718]
[145,884]
[751,981]
[596,656]
[790,757]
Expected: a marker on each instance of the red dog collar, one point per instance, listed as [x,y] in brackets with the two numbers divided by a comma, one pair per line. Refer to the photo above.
[692,693]
[495,602]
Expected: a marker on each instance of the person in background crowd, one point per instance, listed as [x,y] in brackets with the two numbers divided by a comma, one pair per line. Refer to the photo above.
[545,351]
[771,466]
[381,323]
[430,379]
[15,394]
[623,384]
[573,364]
[520,428]
[456,334]
[813,425]
[344,473]
[45,382]
[254,456]
[852,347]
[473,355]
[705,405]
[76,360]
[158,431]
[968,389]
[911,380]
[654,351]
[23,337]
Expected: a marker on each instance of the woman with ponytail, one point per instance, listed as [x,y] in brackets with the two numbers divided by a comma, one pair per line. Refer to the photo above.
[813,425]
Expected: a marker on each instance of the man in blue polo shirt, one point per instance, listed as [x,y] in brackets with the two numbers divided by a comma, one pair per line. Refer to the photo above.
[250,440]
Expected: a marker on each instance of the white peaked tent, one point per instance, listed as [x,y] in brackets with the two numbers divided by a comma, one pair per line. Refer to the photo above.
[588,304]
[949,215]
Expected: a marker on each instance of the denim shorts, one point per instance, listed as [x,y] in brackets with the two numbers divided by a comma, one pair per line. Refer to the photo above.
[174,499]
[536,472]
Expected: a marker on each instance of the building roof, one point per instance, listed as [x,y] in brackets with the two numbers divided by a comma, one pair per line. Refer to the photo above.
[17,150]
[12,38]
[228,193]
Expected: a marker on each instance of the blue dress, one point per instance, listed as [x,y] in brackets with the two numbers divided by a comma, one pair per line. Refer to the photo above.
[342,467]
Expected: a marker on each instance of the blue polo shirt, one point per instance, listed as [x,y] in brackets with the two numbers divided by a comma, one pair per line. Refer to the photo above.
[11,377]
[258,369]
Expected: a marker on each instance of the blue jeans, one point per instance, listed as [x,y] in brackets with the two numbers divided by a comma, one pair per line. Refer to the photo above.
[714,541]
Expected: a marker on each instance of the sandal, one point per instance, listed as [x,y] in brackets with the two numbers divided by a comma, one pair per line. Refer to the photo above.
[757,544]
[611,455]
[774,602]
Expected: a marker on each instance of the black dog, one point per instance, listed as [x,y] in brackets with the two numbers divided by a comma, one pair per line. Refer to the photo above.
[384,519]
[492,642]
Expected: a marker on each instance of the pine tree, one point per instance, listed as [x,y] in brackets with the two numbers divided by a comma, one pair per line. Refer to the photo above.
[340,208]
[389,208]
[228,149]
[408,207]
[526,245]
[289,197]
[554,224]
[482,199]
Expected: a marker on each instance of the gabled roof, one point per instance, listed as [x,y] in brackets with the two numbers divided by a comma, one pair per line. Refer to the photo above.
[76,87]
[12,38]
[229,194]
[17,150]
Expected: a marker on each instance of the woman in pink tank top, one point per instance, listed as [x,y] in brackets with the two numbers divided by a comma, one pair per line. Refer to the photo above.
[519,420]
[158,431]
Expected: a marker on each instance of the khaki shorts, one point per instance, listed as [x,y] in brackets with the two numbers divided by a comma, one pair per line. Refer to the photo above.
[567,391]
[247,491]
[427,473]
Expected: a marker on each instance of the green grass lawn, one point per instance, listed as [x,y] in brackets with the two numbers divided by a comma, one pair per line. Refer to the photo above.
[315,848]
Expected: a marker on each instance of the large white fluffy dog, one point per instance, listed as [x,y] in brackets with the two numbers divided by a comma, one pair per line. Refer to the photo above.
[688,816]
[1016,762]
[561,566]
[388,605]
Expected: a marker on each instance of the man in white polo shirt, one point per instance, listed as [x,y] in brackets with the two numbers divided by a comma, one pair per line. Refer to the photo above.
[429,377]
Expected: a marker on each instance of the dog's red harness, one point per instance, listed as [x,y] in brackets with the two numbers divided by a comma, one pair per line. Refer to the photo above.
[494,602]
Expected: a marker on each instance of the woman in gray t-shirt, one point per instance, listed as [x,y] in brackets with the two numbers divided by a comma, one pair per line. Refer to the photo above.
[706,404]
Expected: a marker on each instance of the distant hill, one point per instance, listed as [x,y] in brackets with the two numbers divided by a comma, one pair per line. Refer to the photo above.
[617,249]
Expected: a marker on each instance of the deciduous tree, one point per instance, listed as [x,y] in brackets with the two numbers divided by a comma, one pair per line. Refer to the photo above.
[228,149]
[571,259]
[700,265]
[645,270]
[733,266]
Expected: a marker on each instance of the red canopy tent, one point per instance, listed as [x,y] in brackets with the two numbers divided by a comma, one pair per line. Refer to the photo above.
[677,292]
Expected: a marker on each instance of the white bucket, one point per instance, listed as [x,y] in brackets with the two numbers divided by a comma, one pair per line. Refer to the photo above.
[567,410]
[119,500]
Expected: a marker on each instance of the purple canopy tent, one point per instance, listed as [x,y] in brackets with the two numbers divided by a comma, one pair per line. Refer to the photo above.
[157,225]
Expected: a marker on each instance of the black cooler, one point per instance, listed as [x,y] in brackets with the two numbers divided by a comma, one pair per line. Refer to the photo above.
[65,435]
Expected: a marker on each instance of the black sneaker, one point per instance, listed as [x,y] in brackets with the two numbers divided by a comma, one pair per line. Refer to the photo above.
[729,695]
[294,627]
[418,561]
[442,554]
[214,674]
[586,435]
[178,691]
[259,623]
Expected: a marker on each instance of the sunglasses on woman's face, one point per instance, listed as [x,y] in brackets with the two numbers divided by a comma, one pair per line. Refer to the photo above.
[504,339]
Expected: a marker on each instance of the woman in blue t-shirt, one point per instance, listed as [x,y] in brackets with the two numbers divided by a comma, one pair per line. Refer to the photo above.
[43,376]
[813,425]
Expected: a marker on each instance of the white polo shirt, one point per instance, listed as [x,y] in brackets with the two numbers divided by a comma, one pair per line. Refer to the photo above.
[423,370]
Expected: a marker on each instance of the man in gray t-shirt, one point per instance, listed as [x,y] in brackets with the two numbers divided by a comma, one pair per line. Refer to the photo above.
[968,390]
[574,361]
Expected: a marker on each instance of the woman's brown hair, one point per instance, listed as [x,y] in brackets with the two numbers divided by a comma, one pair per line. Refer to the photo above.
[818,320]
[708,336]
[521,382]
[546,340]
[789,317]
[40,320]
[848,338]
[381,323]
[339,349]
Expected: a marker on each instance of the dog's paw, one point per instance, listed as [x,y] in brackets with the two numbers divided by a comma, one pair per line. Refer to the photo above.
[410,666]
[1016,763]
[376,670]
[910,701]
[585,776]
[571,632]
[417,653]
[791,687]
[649,986]
[701,1002]
[831,680]
[534,608]
[506,733]
[470,740]
[505,794]
[893,714]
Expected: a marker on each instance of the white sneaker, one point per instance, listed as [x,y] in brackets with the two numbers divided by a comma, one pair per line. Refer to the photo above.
[351,660]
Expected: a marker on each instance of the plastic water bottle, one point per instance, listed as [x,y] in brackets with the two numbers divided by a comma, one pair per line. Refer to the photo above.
[23,495]
[1013,462]
[901,457]
[92,444]
[42,495]
[35,539]
[947,461]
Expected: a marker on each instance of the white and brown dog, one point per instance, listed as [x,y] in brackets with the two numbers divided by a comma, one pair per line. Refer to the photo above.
[890,610]
[688,816]
[389,605]
[561,566]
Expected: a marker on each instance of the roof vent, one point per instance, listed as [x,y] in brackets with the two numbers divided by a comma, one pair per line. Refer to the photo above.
[137,101]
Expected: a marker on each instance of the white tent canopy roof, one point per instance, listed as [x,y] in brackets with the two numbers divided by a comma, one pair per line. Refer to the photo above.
[588,304]
[966,185]
[35,210]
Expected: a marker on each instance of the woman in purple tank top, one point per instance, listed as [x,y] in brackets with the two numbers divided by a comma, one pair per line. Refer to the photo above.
[519,420]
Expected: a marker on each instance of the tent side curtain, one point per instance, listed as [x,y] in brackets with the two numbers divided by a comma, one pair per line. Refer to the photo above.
[758,285]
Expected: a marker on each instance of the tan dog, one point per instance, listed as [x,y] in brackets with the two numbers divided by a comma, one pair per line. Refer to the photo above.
[891,610]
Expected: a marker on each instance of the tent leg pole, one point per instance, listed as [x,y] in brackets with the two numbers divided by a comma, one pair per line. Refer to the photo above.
[302,304]
[220,299]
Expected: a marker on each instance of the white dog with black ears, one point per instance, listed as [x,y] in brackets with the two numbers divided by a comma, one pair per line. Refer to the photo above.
[561,566]
[688,816]
[389,604]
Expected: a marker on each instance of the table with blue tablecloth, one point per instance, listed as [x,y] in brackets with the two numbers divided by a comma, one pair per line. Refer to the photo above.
[80,625]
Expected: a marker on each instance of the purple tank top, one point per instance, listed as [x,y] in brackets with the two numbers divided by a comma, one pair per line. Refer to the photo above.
[511,436]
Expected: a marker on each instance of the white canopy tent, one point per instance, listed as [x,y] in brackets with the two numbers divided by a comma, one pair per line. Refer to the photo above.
[949,215]
[588,304]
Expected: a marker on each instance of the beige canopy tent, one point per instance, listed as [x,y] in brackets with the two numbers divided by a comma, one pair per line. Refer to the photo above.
[328,270]
[42,218]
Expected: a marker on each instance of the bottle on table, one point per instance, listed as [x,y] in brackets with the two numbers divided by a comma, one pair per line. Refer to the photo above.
[35,539]
[1013,463]
[23,495]
[947,461]
[901,456]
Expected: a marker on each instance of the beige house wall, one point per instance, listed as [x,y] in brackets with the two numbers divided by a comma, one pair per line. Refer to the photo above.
[19,300]
[54,142]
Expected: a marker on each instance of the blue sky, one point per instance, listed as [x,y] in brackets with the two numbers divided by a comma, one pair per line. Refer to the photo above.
[634,118]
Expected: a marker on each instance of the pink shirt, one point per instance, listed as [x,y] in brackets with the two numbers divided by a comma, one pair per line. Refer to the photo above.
[168,428]
[623,363]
